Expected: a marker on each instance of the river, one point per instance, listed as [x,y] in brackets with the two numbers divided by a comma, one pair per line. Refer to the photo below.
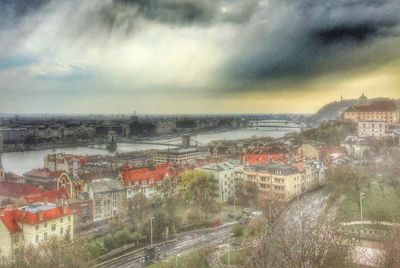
[21,162]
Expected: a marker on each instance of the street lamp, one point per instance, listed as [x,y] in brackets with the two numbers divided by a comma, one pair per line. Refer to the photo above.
[229,249]
[176,260]
[151,230]
[270,215]
[234,208]
[361,207]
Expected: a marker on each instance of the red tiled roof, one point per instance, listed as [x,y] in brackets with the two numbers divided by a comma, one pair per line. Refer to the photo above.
[43,173]
[49,196]
[16,190]
[254,159]
[377,106]
[157,174]
[10,218]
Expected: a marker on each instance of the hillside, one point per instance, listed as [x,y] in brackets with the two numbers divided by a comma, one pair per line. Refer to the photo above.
[333,110]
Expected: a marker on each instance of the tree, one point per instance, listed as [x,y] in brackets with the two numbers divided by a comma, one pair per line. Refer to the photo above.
[346,180]
[138,209]
[291,245]
[51,253]
[199,188]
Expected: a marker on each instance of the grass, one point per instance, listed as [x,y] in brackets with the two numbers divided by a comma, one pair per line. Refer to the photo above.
[377,205]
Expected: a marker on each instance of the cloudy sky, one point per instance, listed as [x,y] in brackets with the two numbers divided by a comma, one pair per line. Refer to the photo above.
[195,56]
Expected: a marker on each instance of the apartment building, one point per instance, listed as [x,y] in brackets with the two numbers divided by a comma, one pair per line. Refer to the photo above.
[376,129]
[278,182]
[226,173]
[178,156]
[144,180]
[108,197]
[33,224]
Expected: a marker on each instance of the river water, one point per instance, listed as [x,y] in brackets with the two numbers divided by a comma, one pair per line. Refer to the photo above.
[21,162]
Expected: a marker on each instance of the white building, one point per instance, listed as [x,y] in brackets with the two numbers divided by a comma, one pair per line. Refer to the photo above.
[227,173]
[178,156]
[108,198]
[373,129]
[32,224]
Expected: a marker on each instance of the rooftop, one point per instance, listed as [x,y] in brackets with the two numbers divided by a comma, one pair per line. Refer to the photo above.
[283,169]
[106,185]
[222,166]
[37,207]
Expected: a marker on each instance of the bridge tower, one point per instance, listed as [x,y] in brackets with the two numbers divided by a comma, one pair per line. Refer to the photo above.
[111,140]
[186,140]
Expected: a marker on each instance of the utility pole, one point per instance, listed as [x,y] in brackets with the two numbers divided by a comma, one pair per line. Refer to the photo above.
[361,207]
[151,231]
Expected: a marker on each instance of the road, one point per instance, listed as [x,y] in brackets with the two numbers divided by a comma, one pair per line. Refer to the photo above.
[311,206]
[185,242]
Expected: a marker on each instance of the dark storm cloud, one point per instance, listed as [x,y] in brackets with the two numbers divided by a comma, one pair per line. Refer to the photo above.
[11,11]
[292,39]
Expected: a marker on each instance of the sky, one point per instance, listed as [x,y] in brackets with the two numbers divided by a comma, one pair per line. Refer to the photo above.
[195,56]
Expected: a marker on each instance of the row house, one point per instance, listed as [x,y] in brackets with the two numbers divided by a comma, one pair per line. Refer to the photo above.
[33,224]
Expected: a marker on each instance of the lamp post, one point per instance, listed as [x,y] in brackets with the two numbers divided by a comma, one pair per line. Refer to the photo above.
[151,230]
[270,215]
[234,208]
[229,249]
[361,207]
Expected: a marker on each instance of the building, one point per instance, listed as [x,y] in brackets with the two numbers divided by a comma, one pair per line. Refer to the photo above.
[44,178]
[2,173]
[73,186]
[108,197]
[15,135]
[381,110]
[144,180]
[310,151]
[32,224]
[178,156]
[226,173]
[263,158]
[277,182]
[13,192]
[376,129]
[65,162]
[356,147]
[132,159]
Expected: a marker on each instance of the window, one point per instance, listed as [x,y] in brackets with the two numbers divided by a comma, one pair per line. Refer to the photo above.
[37,238]
[45,225]
[61,231]
[37,227]
[53,227]
[69,218]
[45,235]
[61,220]
[16,238]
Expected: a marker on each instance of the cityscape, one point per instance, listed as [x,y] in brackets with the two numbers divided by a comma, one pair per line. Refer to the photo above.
[183,133]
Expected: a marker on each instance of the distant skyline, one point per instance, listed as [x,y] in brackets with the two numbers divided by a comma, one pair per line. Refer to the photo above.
[195,56]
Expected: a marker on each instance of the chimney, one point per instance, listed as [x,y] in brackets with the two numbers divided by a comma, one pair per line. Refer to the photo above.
[64,208]
[40,215]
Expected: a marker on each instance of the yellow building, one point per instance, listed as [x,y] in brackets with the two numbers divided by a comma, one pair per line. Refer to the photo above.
[384,110]
[32,224]
[278,182]
[310,151]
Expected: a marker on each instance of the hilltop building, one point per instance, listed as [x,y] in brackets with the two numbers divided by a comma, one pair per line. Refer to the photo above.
[381,110]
